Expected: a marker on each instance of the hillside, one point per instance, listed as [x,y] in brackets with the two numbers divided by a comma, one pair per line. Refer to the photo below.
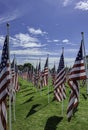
[33,112]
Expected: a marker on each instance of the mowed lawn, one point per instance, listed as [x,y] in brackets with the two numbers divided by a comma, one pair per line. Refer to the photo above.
[33,112]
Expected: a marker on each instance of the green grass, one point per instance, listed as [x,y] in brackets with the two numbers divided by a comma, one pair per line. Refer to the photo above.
[33,112]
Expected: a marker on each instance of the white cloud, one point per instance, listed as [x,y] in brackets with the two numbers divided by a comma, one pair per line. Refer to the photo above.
[49,41]
[9,17]
[22,40]
[55,40]
[72,50]
[82,5]
[1,40]
[36,31]
[69,61]
[25,41]
[30,51]
[25,38]
[65,41]
[66,2]
[34,60]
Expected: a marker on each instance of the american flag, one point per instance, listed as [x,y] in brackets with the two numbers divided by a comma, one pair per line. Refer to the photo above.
[46,73]
[77,73]
[53,74]
[4,84]
[14,69]
[36,77]
[39,69]
[42,78]
[25,74]
[59,88]
[39,75]
[32,74]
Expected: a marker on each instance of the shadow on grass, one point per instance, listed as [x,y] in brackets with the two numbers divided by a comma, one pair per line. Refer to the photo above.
[52,123]
[84,96]
[28,94]
[53,99]
[43,89]
[25,90]
[50,92]
[32,110]
[29,100]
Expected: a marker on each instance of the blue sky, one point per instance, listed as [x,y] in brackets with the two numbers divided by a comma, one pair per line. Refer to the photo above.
[41,27]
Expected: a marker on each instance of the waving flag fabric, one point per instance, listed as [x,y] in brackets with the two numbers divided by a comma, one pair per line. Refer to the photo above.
[46,73]
[14,69]
[53,74]
[77,73]
[59,89]
[4,83]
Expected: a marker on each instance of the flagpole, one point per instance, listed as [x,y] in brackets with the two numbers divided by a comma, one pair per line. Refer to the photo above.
[36,78]
[10,91]
[37,75]
[33,78]
[40,78]
[48,79]
[62,87]
[79,89]
[85,61]
[14,104]
[14,93]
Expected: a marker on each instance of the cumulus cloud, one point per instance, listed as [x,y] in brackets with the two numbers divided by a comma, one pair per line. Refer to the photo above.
[25,38]
[55,40]
[26,46]
[32,51]
[82,5]
[65,41]
[25,41]
[36,31]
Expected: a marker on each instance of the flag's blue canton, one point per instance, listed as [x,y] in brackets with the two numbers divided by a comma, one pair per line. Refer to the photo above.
[5,55]
[39,67]
[80,54]
[46,64]
[14,65]
[53,69]
[61,64]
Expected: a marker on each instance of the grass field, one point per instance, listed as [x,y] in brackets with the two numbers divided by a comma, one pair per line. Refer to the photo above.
[33,112]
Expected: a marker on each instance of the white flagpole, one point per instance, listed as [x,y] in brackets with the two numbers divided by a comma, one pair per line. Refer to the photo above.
[62,87]
[36,78]
[33,78]
[10,119]
[48,79]
[40,78]
[10,89]
[62,101]
[85,61]
[14,106]
[14,93]
[79,89]
[37,87]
